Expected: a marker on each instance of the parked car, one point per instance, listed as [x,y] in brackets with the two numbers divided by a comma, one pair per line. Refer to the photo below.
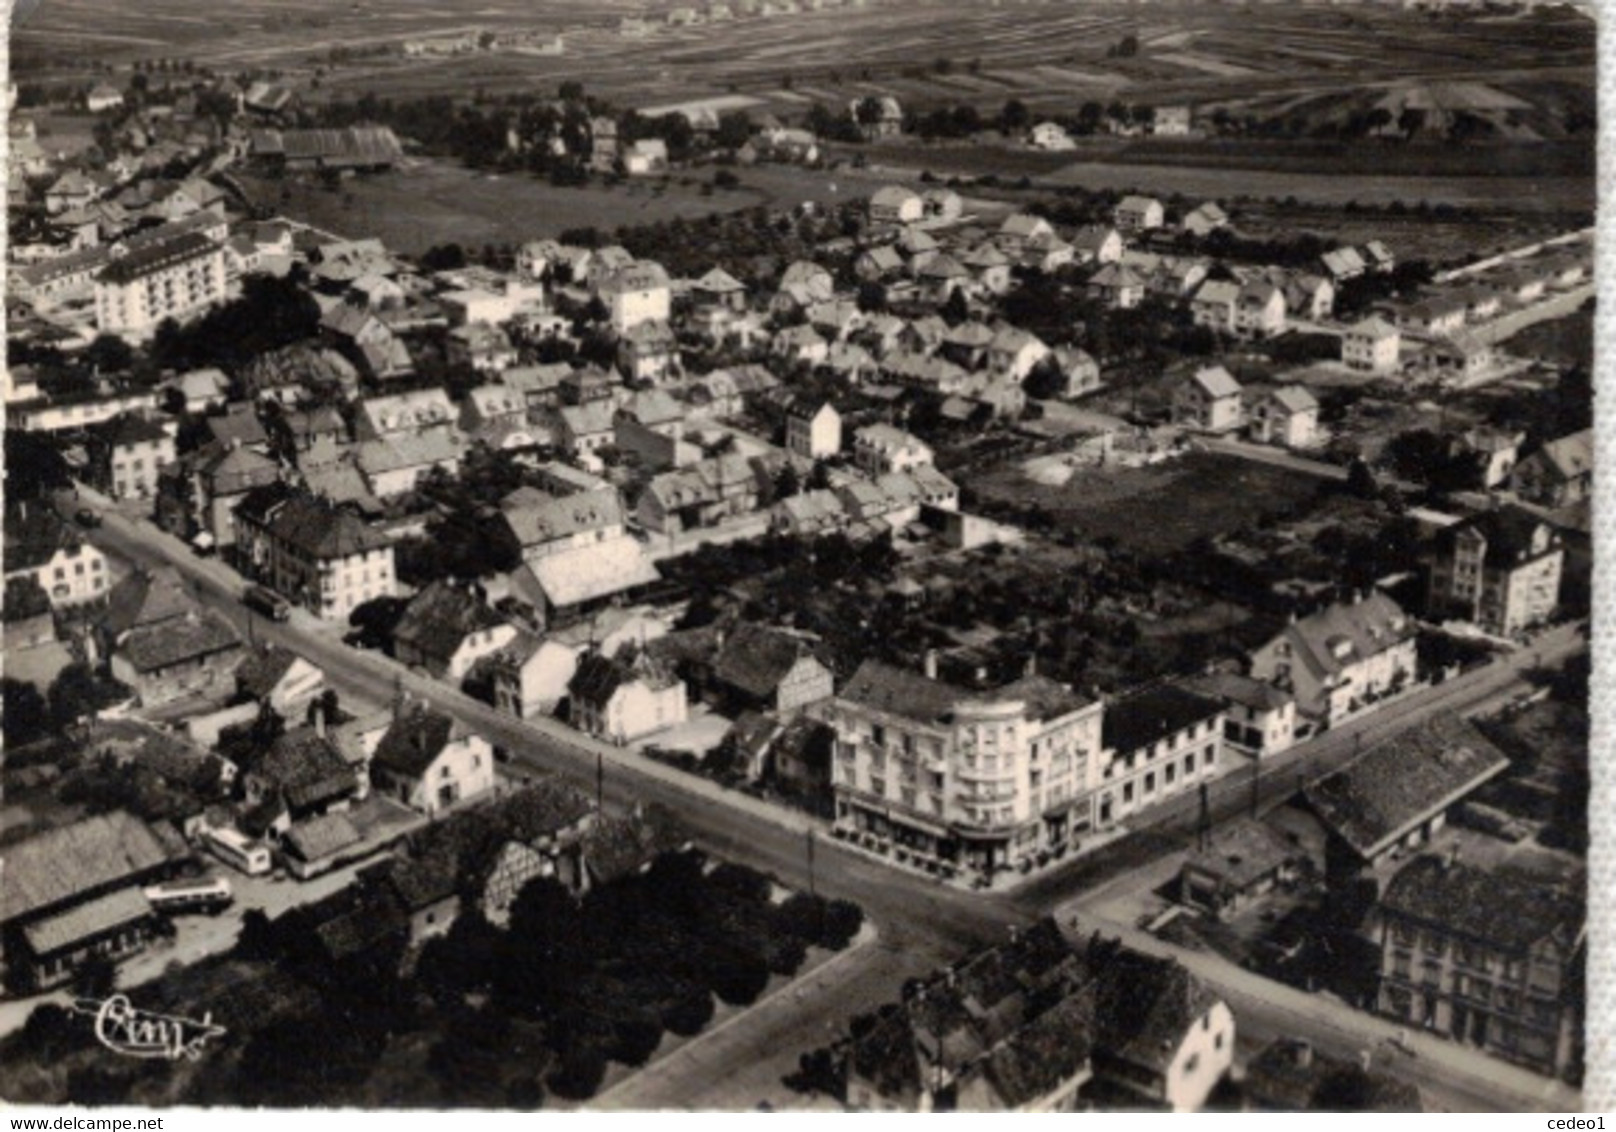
[84,517]
[267,602]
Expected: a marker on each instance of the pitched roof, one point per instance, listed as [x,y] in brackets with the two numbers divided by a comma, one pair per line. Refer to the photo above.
[60,864]
[439,619]
[1403,780]
[1217,382]
[1510,534]
[900,692]
[1343,634]
[588,572]
[1238,689]
[323,531]
[617,846]
[91,918]
[414,741]
[755,658]
[34,538]
[1294,398]
[305,767]
[535,523]
[1571,456]
[1244,852]
[1508,909]
[323,835]
[1145,1007]
[264,668]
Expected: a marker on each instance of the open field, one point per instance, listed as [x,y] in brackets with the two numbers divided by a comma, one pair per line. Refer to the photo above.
[1051,55]
[425,203]
[1563,341]
[1161,509]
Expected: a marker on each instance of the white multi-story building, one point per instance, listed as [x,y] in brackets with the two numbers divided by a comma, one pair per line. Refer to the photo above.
[880,448]
[637,293]
[176,279]
[959,779]
[1159,741]
[315,554]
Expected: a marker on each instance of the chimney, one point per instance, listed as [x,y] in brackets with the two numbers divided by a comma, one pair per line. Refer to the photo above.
[1031,667]
[1451,858]
[1304,1055]
[1366,1059]
[319,720]
[931,664]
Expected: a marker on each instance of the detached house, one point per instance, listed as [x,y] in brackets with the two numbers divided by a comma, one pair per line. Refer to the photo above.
[767,669]
[1139,214]
[881,448]
[1372,345]
[1287,416]
[1341,659]
[813,429]
[1210,401]
[895,204]
[1118,286]
[127,457]
[1499,570]
[1260,310]
[1558,474]
[625,700]
[1208,218]
[164,644]
[430,763]
[39,545]
[446,629]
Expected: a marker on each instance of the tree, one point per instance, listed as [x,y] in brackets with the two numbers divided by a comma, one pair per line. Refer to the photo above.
[1014,117]
[26,717]
[1361,480]
[735,129]
[578,1074]
[80,691]
[1128,47]
[109,354]
[443,257]
[34,467]
[373,622]
[956,310]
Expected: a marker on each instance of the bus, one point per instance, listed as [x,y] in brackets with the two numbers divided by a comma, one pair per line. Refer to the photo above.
[197,894]
[242,853]
[267,602]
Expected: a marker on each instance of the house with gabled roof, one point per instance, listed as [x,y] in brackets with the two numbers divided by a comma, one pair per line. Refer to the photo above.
[1205,219]
[896,204]
[446,629]
[1136,214]
[1372,344]
[280,678]
[299,776]
[1559,474]
[41,545]
[625,700]
[164,644]
[1397,795]
[1020,227]
[430,762]
[1209,401]
[1287,415]
[1260,310]
[1117,286]
[1341,659]
[74,892]
[1499,570]
[1342,264]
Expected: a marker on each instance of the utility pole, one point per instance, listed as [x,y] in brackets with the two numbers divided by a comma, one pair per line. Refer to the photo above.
[600,782]
[1256,777]
[811,893]
[1203,826]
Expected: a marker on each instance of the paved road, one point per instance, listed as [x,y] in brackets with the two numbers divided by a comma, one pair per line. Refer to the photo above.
[923,923]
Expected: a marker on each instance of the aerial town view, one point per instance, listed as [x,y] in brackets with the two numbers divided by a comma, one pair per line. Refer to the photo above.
[799,555]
